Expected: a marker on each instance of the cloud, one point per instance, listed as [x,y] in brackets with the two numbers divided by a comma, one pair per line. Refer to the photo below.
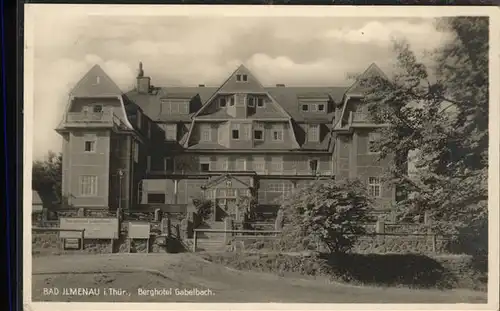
[421,35]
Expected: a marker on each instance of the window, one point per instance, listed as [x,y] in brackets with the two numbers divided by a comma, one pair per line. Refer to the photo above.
[241,165]
[169,164]
[206,133]
[136,152]
[231,193]
[90,146]
[222,102]
[258,134]
[156,198]
[251,102]
[97,80]
[205,167]
[231,101]
[313,133]
[259,164]
[318,107]
[260,102]
[277,135]
[184,108]
[245,78]
[373,138]
[174,106]
[235,132]
[88,185]
[374,187]
[276,164]
[97,108]
[305,107]
[313,165]
[279,187]
[171,132]
[238,77]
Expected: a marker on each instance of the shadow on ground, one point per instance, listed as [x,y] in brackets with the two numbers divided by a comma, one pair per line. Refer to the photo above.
[390,270]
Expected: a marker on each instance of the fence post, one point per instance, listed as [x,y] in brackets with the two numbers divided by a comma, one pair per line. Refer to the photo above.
[380,226]
[81,212]
[83,239]
[380,230]
[195,240]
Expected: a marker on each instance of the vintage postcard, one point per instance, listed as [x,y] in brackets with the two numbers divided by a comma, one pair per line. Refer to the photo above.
[259,157]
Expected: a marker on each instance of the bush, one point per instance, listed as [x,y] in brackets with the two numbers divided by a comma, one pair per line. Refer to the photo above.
[327,213]
[204,208]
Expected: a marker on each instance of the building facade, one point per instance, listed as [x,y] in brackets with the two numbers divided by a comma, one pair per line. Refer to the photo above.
[165,146]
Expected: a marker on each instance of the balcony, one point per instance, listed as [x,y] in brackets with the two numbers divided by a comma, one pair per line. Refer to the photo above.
[360,117]
[288,173]
[92,119]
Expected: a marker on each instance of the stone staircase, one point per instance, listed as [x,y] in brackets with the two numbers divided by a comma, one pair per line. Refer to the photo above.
[210,241]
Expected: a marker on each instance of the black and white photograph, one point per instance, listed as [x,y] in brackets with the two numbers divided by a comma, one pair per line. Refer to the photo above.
[325,156]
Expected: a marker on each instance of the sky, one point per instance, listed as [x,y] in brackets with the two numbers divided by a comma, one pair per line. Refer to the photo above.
[192,50]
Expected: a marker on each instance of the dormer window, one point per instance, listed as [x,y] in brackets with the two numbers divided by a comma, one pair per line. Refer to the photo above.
[305,108]
[260,102]
[321,107]
[222,102]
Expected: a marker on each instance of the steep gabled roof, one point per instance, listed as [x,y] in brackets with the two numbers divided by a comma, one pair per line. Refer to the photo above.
[372,71]
[95,83]
[232,85]
[225,177]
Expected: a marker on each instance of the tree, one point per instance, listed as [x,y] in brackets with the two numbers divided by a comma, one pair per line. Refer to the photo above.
[439,113]
[47,178]
[331,213]
[204,208]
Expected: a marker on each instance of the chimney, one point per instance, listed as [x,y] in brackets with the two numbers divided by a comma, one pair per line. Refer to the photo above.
[280,85]
[143,83]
